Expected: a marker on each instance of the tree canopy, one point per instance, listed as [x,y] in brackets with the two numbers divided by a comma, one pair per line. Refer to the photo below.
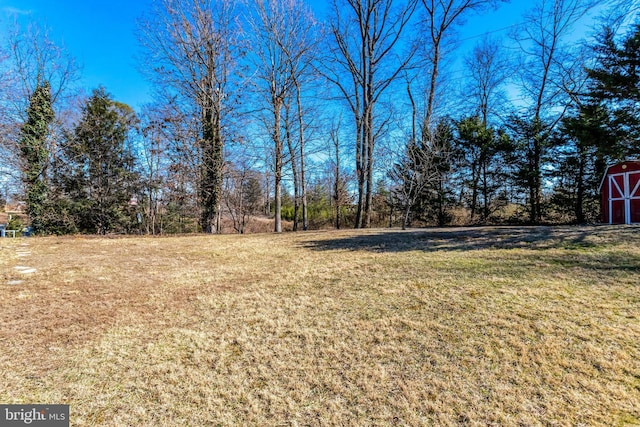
[363,116]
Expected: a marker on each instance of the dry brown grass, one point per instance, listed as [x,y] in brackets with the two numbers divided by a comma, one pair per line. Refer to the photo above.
[435,327]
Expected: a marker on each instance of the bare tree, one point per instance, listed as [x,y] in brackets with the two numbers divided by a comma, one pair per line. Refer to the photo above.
[8,130]
[281,32]
[192,47]
[419,169]
[365,35]
[340,194]
[242,194]
[34,60]
[292,160]
[619,12]
[155,132]
[29,60]
[442,17]
[548,61]
[300,60]
[547,74]
[489,69]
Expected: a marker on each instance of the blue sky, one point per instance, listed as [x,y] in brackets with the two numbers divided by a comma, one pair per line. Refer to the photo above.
[100,35]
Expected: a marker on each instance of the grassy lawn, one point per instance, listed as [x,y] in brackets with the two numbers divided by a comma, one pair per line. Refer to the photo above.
[482,326]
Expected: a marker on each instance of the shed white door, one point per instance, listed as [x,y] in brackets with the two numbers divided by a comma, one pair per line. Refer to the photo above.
[624,198]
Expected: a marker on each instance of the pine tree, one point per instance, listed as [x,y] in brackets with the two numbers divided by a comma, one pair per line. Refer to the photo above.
[617,73]
[101,181]
[480,148]
[615,85]
[586,144]
[33,145]
[529,151]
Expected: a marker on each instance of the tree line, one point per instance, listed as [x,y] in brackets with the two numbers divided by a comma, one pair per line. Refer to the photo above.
[265,112]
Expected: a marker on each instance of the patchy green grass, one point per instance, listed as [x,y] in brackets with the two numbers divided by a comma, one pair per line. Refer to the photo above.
[478,326]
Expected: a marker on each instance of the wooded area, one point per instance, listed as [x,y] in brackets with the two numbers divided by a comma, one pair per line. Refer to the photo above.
[372,115]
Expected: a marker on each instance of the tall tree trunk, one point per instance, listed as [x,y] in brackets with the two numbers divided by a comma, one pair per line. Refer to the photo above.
[211,171]
[267,204]
[337,184]
[360,172]
[277,139]
[361,51]
[336,192]
[303,183]
[294,167]
[369,185]
[369,130]
[432,85]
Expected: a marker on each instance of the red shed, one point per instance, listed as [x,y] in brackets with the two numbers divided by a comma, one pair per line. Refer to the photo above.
[620,190]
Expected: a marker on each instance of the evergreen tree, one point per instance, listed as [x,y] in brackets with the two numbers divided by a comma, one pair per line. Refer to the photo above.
[586,144]
[615,85]
[439,196]
[604,128]
[480,147]
[100,179]
[529,152]
[422,177]
[33,145]
[617,72]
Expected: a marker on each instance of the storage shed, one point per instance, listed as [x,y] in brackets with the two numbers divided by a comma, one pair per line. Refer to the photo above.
[620,192]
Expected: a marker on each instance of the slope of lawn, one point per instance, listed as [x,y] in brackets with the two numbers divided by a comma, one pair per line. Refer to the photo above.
[479,326]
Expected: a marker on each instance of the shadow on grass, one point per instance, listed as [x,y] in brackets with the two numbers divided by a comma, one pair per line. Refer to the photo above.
[467,239]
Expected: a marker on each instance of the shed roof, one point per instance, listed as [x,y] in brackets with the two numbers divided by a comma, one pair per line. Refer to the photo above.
[634,162]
